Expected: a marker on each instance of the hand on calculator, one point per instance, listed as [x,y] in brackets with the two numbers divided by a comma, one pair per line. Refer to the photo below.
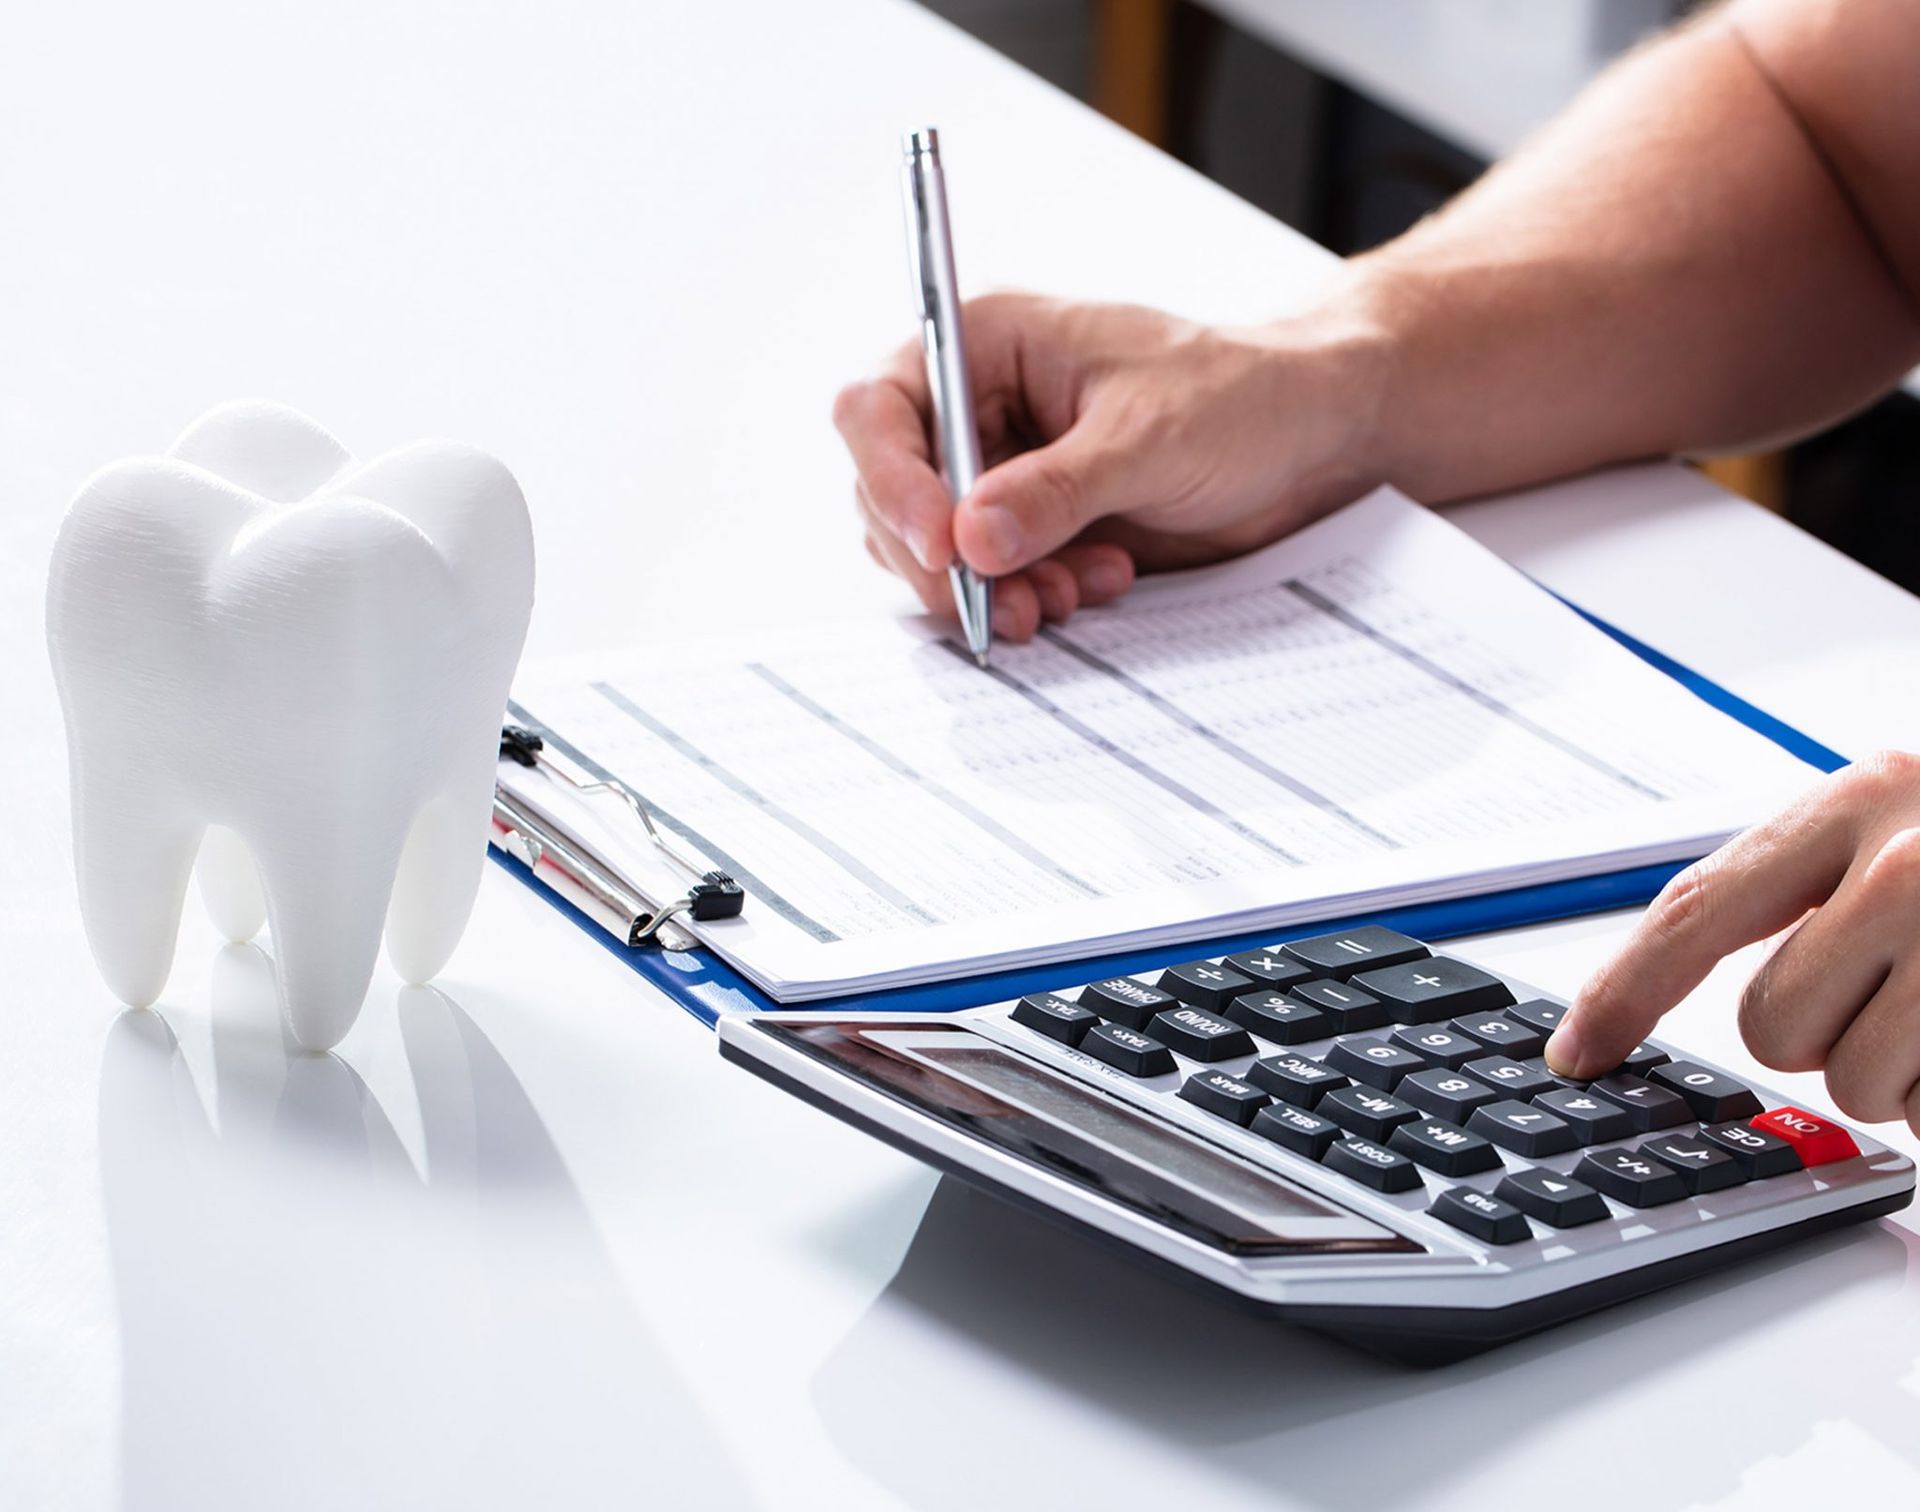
[1839,872]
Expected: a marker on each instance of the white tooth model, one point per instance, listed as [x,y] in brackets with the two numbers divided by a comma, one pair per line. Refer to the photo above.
[294,667]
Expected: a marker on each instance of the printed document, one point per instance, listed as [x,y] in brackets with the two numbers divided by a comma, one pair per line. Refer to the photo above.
[1375,711]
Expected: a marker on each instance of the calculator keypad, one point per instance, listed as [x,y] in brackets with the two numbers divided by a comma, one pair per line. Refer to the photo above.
[1420,1077]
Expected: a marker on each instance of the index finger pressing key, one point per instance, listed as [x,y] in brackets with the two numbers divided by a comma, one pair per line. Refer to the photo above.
[1753,886]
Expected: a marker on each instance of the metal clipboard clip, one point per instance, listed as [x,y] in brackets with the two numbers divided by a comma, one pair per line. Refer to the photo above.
[571,866]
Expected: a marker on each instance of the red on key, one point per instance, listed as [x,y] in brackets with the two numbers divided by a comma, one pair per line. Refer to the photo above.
[1816,1140]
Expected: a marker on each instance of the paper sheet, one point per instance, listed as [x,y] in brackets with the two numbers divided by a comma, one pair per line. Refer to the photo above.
[1374,711]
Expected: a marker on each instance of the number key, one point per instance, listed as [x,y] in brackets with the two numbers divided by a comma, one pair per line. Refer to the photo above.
[1649,1107]
[1510,1077]
[1511,1038]
[1438,1046]
[1374,1062]
[1714,1098]
[1523,1128]
[1446,1094]
[1594,1120]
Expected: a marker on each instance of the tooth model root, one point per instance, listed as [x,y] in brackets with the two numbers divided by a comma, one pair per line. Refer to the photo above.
[295,669]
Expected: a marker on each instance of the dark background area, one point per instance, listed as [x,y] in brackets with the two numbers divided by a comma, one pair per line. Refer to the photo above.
[1351,173]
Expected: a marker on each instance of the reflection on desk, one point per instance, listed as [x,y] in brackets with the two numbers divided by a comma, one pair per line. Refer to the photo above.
[485,1352]
[1118,1368]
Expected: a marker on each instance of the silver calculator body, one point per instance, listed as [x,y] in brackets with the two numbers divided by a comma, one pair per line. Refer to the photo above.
[1206,1190]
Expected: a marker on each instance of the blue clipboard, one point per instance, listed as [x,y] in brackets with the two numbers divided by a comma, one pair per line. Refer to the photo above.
[707,987]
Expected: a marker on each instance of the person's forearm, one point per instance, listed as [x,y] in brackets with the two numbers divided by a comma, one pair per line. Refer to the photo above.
[1673,266]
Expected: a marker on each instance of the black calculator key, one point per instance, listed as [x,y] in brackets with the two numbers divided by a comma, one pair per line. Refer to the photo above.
[1704,1167]
[1273,969]
[1510,1078]
[1643,1058]
[1373,1164]
[1593,1119]
[1297,1129]
[1444,1147]
[1205,985]
[1363,1111]
[1127,1050]
[1226,1095]
[1759,1153]
[1200,1036]
[1445,1094]
[1354,950]
[1374,1061]
[1714,1098]
[1649,1107]
[1125,1001]
[1441,1047]
[1423,992]
[1347,1008]
[1537,1012]
[1524,1128]
[1489,1218]
[1552,1198]
[1294,1079]
[1630,1176]
[1277,1017]
[1055,1017]
[1510,1037]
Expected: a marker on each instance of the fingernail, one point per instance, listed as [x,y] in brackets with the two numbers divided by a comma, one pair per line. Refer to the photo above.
[919,544]
[1106,579]
[1563,1048]
[1001,532]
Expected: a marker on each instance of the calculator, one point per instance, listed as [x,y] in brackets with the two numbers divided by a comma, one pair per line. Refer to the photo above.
[1352,1132]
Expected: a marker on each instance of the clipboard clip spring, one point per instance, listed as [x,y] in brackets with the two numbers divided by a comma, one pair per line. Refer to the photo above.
[713,894]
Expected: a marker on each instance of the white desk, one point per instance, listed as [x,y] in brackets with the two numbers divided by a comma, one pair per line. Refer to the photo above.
[543,1248]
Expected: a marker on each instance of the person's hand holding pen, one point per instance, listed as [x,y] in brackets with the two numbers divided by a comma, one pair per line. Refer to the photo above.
[1117,440]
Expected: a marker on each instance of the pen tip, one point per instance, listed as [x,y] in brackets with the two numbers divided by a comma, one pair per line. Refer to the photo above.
[980,660]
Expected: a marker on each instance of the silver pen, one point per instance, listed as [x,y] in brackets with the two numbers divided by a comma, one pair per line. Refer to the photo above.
[936,293]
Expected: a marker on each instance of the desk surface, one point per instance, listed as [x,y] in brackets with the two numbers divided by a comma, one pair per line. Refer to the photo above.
[526,1241]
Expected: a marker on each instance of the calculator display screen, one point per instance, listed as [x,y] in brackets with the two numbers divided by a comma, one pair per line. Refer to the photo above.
[1022,1108]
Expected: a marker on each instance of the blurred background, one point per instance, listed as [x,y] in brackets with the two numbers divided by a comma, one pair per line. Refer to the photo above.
[1351,119]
